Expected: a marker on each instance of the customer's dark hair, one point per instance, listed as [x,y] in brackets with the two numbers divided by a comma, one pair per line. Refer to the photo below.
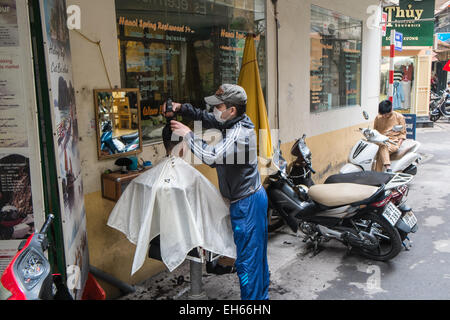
[240,108]
[385,107]
[170,140]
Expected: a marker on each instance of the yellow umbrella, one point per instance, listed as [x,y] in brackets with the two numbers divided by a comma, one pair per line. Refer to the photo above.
[256,106]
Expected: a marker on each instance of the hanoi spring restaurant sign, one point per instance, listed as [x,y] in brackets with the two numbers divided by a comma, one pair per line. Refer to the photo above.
[413,23]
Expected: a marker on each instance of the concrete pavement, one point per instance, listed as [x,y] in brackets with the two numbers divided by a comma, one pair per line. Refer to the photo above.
[421,273]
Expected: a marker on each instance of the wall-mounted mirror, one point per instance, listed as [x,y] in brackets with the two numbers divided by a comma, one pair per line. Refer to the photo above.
[117,116]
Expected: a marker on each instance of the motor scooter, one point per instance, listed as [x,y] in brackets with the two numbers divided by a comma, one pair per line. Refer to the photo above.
[112,145]
[291,201]
[440,108]
[28,276]
[363,154]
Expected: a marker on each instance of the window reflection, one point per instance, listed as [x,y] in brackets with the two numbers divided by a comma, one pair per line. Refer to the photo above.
[335,64]
[184,49]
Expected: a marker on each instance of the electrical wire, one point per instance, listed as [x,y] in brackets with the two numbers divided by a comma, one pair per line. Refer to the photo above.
[98,43]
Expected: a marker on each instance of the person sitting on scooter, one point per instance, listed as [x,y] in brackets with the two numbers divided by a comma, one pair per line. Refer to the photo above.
[384,123]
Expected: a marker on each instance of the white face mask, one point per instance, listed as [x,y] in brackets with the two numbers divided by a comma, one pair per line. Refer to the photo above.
[218,115]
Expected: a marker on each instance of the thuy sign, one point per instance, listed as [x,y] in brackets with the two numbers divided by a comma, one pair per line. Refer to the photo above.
[414,19]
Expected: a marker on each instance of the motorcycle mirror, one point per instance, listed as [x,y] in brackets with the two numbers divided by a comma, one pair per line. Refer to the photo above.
[47,223]
[365,115]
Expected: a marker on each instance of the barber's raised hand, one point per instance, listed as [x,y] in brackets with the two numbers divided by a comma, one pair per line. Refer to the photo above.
[179,129]
[175,107]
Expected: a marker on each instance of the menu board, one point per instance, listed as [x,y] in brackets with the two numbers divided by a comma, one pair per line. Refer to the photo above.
[21,197]
[9,30]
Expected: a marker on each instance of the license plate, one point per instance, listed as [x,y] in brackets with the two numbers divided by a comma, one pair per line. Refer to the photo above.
[391,213]
[410,219]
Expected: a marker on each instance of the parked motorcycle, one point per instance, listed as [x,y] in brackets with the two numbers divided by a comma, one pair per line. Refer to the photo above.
[28,276]
[364,217]
[363,154]
[435,97]
[440,108]
[112,145]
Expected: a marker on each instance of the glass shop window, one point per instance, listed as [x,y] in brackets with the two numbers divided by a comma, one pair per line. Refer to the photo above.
[184,49]
[335,63]
[404,84]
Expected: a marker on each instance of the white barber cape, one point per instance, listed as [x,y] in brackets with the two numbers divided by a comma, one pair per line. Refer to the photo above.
[177,202]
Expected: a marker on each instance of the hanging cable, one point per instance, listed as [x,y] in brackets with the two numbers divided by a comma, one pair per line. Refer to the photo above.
[98,43]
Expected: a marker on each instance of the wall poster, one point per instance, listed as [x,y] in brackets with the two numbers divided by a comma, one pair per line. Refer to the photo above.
[65,128]
[21,198]
[9,29]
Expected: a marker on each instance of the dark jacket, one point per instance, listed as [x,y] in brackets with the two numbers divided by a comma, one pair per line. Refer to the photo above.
[234,157]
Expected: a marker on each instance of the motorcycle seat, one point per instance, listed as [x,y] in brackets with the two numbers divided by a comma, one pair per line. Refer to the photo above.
[341,194]
[370,178]
[406,147]
[130,137]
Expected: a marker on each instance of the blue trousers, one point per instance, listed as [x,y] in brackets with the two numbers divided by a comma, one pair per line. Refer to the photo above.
[249,223]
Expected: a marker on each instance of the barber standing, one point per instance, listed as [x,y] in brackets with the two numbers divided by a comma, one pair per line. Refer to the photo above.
[235,158]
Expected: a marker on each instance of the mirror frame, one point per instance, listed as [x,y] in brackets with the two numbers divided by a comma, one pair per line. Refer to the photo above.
[98,129]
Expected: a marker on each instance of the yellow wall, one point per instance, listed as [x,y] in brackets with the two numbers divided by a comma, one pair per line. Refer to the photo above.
[111,252]
[329,150]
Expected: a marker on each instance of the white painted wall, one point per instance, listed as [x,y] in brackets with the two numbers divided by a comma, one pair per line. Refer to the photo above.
[294,64]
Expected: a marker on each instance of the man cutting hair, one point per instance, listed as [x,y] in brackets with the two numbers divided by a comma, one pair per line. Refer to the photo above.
[235,158]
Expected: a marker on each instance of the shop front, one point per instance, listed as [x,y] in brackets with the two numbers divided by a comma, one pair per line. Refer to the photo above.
[413,64]
[183,50]
[441,46]
[318,67]
[319,63]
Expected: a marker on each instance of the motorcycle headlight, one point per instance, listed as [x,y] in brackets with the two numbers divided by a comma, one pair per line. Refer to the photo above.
[31,268]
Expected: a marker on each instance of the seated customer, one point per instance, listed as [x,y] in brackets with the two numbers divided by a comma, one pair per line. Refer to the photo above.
[384,122]
[176,202]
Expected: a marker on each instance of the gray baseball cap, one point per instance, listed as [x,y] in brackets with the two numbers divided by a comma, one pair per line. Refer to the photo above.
[231,93]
